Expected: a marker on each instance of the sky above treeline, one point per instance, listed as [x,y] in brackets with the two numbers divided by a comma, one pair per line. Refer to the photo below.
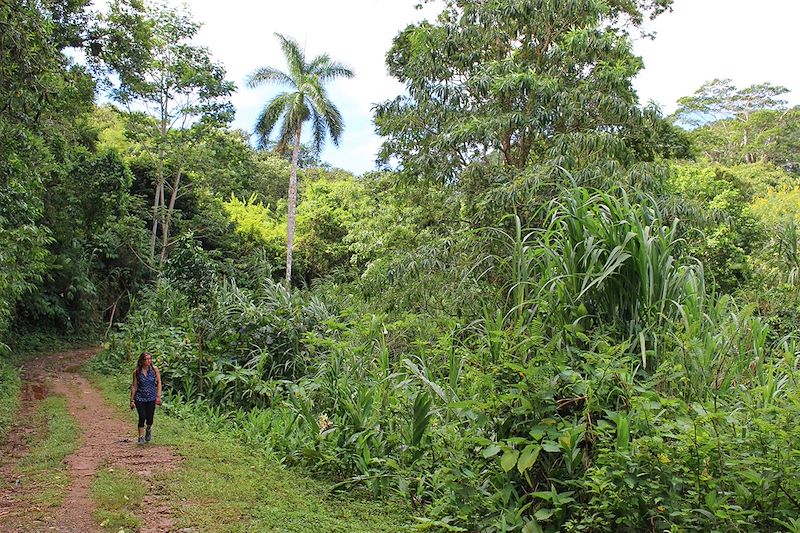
[749,42]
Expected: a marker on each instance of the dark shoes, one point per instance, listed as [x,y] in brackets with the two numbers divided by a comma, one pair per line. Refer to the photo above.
[148,436]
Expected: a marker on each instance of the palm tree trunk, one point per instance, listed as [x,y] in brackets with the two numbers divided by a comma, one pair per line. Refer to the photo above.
[291,216]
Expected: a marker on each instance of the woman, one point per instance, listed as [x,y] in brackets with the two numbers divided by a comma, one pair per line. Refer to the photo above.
[145,394]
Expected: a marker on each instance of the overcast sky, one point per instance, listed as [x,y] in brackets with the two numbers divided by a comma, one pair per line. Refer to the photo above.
[750,42]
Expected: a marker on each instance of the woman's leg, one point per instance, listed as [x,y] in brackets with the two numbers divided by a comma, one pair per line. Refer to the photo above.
[141,409]
[150,410]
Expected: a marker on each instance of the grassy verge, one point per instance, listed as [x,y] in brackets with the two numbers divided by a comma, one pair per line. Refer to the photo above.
[25,346]
[223,486]
[42,473]
[9,394]
[118,496]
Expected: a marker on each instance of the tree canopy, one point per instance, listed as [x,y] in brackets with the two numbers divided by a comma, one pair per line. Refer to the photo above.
[510,82]
[748,125]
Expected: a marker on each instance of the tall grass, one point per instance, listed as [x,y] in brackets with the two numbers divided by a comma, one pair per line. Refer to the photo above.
[601,382]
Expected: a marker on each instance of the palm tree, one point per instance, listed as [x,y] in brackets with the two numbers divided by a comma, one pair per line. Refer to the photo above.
[305,100]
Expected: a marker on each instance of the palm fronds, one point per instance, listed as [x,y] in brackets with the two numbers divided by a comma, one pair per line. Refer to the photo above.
[306,98]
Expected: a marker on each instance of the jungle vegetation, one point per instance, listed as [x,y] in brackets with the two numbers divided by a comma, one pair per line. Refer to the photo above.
[551,308]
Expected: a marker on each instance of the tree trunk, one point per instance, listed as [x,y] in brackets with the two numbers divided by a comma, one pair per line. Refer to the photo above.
[170,209]
[158,200]
[163,212]
[156,197]
[291,215]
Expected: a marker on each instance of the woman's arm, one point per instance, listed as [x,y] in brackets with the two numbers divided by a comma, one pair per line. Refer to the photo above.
[134,385]
[158,384]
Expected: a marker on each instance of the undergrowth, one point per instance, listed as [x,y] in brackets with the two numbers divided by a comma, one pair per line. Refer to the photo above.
[603,387]
[224,484]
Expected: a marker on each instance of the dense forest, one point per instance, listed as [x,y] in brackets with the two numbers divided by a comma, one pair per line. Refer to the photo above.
[550,308]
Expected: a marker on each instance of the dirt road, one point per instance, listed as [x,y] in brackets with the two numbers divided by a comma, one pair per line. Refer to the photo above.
[107,440]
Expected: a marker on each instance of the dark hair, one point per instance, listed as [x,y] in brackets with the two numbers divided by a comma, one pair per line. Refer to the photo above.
[140,362]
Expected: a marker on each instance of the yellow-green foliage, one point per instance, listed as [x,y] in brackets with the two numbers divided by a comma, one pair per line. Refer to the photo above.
[761,190]
[256,221]
[714,199]
[708,181]
[704,182]
[778,206]
[329,209]
[756,179]
[110,126]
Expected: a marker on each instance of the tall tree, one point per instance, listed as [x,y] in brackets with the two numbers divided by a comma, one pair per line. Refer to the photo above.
[305,100]
[512,82]
[180,88]
[732,126]
[719,100]
[42,95]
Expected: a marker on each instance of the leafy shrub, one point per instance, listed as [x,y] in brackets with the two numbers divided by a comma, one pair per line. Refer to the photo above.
[601,387]
[720,230]
[228,347]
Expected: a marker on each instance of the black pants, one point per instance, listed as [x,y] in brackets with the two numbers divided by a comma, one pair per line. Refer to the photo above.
[146,411]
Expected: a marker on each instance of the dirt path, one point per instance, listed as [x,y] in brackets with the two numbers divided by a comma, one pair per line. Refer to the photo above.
[105,440]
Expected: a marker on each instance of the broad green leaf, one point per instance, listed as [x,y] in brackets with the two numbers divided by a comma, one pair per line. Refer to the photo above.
[532,527]
[537,433]
[509,459]
[528,457]
[623,436]
[550,446]
[491,451]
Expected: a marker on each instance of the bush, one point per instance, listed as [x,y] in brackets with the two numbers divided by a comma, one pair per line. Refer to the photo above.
[601,388]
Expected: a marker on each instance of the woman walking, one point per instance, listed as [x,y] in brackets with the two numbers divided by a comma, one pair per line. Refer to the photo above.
[145,394]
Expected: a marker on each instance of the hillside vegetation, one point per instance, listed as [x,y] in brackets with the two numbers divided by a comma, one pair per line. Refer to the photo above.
[550,309]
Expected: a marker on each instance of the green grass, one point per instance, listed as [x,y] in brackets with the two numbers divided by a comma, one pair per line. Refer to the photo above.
[118,496]
[42,471]
[222,486]
[25,347]
[9,394]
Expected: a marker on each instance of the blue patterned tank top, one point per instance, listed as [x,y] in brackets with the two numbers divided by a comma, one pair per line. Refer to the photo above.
[146,390]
